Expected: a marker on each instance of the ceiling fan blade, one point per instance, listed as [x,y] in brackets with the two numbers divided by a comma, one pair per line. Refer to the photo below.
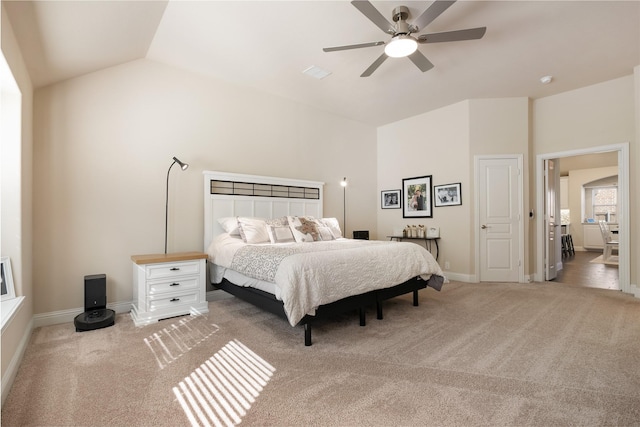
[453,36]
[421,61]
[375,65]
[374,15]
[432,12]
[351,46]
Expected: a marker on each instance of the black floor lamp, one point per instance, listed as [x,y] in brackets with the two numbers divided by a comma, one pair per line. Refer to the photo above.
[343,183]
[184,167]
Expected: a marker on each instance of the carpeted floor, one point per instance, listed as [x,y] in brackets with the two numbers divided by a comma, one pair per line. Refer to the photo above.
[544,354]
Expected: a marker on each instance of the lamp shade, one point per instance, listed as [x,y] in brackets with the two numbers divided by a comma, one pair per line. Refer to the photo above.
[182,165]
[400,46]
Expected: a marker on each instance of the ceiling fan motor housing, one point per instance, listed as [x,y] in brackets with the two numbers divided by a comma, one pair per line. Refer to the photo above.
[400,13]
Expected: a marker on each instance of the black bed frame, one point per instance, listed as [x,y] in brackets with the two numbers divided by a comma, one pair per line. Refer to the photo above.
[359,302]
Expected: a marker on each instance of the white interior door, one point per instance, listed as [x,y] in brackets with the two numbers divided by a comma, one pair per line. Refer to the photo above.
[499,215]
[551,223]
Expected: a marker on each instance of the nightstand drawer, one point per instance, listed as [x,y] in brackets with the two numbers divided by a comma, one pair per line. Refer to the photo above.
[174,269]
[178,285]
[159,303]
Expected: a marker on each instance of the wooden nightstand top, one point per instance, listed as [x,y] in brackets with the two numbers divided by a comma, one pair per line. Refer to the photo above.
[156,258]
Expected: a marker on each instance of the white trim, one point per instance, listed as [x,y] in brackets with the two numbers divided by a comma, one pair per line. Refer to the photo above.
[67,316]
[12,368]
[623,215]
[520,160]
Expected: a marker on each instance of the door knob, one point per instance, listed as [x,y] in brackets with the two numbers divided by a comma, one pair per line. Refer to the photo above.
[483,226]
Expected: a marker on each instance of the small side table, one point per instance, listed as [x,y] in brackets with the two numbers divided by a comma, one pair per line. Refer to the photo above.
[168,285]
[427,242]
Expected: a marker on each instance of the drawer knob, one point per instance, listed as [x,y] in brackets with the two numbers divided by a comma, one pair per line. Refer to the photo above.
[175,284]
[175,268]
[175,299]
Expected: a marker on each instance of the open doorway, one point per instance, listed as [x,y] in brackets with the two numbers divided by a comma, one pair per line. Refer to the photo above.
[587,194]
[620,152]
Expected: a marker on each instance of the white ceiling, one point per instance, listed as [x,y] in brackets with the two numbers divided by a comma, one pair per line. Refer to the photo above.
[267,44]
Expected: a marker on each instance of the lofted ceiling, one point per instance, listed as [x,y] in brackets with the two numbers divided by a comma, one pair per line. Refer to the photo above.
[266,45]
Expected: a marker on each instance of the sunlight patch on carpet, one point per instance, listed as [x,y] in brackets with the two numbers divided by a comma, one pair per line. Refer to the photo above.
[222,389]
[168,344]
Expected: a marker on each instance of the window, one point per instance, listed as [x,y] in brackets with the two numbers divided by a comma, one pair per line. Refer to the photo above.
[604,203]
[600,199]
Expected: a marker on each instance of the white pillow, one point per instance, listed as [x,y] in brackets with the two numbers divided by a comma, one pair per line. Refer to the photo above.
[230,225]
[280,234]
[253,230]
[333,225]
[304,228]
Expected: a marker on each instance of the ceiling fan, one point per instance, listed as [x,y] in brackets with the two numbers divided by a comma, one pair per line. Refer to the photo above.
[402,42]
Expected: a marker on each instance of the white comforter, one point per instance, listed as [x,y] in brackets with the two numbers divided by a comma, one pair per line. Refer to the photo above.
[313,274]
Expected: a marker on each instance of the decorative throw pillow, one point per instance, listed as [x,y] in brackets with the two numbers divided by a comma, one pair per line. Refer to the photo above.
[278,222]
[333,225]
[230,225]
[253,230]
[280,234]
[325,233]
[304,229]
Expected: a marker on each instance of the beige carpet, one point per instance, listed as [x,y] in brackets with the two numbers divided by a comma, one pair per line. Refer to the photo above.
[613,260]
[472,355]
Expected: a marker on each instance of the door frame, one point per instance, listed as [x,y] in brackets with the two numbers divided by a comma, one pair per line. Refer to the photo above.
[623,217]
[520,161]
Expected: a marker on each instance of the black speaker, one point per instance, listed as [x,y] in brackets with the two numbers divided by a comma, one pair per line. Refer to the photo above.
[362,235]
[96,314]
[95,292]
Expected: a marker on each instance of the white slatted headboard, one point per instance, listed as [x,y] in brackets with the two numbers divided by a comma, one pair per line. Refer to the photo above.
[231,194]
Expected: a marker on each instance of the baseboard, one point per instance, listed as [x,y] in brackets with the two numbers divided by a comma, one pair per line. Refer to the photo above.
[67,316]
[12,369]
[458,277]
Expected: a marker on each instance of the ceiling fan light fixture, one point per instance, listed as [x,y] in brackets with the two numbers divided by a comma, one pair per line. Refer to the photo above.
[400,46]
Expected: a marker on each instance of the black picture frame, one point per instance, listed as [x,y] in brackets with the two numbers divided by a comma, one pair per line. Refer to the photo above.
[447,195]
[391,199]
[6,279]
[417,199]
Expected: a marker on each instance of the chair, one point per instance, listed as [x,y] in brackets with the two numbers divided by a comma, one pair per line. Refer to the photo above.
[609,244]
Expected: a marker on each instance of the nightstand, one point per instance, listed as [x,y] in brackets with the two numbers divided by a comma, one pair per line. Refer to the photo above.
[168,285]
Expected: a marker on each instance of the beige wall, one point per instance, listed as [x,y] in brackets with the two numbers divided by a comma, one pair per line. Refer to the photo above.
[443,143]
[437,144]
[598,115]
[634,189]
[501,127]
[17,214]
[104,142]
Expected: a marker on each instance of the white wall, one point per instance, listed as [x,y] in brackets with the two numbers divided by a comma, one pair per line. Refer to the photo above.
[104,143]
[17,234]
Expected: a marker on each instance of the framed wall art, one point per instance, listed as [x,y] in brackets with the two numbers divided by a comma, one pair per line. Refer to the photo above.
[417,197]
[448,195]
[391,199]
[6,279]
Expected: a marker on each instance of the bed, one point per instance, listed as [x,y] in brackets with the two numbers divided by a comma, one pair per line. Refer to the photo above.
[269,244]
